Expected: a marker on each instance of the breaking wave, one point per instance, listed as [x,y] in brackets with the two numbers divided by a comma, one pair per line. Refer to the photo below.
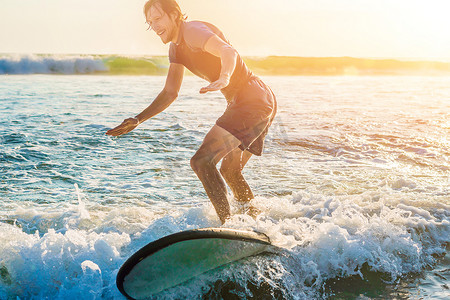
[33,64]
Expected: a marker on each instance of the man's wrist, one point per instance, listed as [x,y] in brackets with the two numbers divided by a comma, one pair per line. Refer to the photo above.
[225,76]
[137,119]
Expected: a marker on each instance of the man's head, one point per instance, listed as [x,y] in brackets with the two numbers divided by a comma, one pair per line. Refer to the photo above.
[164,17]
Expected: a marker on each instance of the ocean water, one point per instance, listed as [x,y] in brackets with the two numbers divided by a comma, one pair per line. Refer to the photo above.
[354,185]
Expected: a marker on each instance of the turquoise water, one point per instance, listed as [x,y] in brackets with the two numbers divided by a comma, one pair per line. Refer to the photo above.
[354,184]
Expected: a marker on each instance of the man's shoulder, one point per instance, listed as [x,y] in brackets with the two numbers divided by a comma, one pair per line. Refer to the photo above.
[196,24]
[196,33]
[199,27]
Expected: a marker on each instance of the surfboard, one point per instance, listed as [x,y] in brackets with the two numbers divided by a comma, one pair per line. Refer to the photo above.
[178,257]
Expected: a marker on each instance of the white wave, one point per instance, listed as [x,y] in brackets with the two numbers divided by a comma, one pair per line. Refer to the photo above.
[32,64]
[324,237]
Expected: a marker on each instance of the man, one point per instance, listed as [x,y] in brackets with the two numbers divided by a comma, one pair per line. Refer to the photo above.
[240,131]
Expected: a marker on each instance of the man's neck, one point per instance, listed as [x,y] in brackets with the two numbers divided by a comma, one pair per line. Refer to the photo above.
[177,37]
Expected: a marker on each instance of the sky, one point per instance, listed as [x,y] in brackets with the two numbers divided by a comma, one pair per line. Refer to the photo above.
[402,29]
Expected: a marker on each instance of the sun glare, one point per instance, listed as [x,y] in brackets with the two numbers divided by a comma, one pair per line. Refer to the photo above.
[425,25]
[417,29]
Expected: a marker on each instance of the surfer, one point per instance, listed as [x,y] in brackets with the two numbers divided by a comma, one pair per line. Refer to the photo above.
[251,106]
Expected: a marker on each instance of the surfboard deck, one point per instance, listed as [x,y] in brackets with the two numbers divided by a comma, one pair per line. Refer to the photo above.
[179,257]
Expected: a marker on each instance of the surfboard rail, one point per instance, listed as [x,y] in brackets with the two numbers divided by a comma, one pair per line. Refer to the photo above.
[183,236]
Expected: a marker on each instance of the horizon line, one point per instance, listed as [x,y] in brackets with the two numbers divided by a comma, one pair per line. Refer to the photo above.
[408,59]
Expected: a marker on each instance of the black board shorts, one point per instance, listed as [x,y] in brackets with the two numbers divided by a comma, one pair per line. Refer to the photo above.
[249,115]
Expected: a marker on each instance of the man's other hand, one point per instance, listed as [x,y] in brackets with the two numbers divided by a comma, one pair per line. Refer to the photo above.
[215,86]
[126,126]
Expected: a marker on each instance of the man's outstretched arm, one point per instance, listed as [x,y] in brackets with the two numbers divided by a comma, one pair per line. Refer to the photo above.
[161,102]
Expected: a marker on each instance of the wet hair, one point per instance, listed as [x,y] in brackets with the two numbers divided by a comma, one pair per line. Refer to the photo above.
[168,6]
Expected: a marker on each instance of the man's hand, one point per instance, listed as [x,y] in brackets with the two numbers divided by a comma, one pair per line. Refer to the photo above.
[219,84]
[126,126]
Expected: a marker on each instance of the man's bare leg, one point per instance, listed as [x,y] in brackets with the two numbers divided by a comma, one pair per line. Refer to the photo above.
[216,145]
[231,170]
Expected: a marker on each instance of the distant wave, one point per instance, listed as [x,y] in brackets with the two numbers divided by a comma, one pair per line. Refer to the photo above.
[271,65]
[33,64]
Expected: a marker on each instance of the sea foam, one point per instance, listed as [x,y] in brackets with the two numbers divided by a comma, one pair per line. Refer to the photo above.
[321,238]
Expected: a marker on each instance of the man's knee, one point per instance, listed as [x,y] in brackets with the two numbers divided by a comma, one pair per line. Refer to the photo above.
[201,162]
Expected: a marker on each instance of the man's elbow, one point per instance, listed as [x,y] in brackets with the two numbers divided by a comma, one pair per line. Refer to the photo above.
[229,51]
[170,95]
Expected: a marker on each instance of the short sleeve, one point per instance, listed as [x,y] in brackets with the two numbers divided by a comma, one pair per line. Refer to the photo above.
[196,34]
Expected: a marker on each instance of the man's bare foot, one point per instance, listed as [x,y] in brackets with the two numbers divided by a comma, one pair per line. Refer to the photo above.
[248,208]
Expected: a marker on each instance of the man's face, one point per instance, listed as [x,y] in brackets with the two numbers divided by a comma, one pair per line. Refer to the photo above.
[162,24]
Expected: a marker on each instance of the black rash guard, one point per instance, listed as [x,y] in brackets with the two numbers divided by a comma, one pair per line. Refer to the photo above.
[251,104]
